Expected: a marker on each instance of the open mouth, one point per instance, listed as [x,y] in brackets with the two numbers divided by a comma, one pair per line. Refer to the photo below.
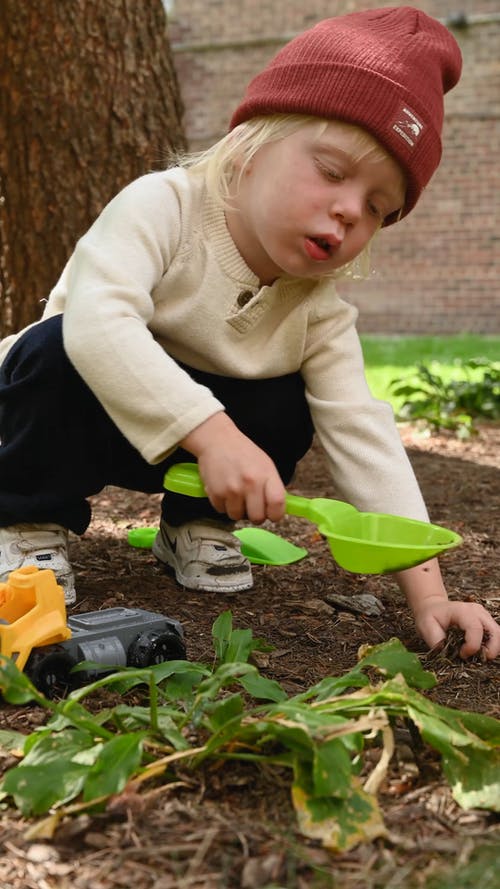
[319,248]
[323,243]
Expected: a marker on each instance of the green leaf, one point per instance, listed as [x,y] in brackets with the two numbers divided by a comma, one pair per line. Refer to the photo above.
[82,719]
[332,769]
[319,722]
[469,744]
[234,646]
[224,675]
[224,722]
[480,724]
[136,718]
[54,748]
[391,658]
[222,712]
[118,759]
[51,773]
[77,716]
[475,779]
[190,669]
[15,686]
[35,790]
[291,737]
[240,647]
[221,634]
[262,688]
[443,728]
[209,688]
[129,677]
[11,740]
[182,687]
[475,728]
[332,686]
[339,824]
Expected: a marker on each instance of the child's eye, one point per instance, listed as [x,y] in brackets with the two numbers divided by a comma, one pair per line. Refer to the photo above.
[334,174]
[375,210]
[329,172]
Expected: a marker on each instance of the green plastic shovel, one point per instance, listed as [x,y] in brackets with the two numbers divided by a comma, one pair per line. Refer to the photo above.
[362,542]
[262,547]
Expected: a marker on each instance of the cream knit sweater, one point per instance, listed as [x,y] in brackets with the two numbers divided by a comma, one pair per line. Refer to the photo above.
[157,278]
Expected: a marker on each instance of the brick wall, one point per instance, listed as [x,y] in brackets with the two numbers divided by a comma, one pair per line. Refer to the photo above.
[438,270]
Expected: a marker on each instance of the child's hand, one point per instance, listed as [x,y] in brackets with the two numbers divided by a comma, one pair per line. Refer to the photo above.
[240,479]
[434,613]
[435,616]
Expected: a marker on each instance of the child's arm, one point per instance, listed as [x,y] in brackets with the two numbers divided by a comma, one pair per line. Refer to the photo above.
[239,477]
[434,613]
[242,481]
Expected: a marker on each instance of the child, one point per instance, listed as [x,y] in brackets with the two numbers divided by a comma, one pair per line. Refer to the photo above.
[198,319]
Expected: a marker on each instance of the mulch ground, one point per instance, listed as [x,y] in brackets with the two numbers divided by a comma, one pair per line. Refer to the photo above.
[234,826]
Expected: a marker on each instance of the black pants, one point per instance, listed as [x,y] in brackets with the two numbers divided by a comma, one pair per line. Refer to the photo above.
[59,446]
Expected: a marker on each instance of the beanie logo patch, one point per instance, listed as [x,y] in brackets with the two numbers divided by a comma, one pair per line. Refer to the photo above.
[408,126]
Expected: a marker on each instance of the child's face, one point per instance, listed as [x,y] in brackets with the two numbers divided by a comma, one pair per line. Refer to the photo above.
[309,203]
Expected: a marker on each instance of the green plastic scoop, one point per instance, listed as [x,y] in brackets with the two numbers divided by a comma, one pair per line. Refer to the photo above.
[262,547]
[362,542]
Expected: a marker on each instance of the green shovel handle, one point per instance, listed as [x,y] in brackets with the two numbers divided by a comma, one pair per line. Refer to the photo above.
[184,478]
[318,509]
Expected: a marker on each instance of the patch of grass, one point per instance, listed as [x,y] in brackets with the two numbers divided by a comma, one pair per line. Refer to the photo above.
[396,356]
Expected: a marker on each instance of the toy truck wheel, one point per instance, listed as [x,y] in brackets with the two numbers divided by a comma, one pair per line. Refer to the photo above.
[50,672]
[155,648]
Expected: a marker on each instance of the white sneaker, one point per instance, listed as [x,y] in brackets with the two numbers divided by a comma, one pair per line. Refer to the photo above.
[205,555]
[45,546]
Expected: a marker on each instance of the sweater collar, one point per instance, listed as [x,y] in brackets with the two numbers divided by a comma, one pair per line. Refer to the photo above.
[224,248]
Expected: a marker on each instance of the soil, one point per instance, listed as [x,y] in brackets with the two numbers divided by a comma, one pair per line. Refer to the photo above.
[234,826]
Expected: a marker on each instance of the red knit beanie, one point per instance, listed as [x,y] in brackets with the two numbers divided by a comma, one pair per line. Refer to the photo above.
[385,70]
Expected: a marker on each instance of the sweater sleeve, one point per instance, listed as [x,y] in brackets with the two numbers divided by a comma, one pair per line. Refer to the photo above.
[367,460]
[109,301]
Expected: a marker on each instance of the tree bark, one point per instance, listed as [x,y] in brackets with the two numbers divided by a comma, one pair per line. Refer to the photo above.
[89,100]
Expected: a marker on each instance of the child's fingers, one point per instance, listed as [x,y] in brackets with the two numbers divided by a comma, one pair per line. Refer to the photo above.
[481,631]
[431,631]
[275,495]
[264,501]
[234,507]
[474,636]
[255,501]
[488,634]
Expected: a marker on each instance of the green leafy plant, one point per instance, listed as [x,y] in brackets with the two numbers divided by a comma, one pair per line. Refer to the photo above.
[451,404]
[80,760]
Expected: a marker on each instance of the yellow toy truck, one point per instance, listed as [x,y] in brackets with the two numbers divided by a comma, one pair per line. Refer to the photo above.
[36,633]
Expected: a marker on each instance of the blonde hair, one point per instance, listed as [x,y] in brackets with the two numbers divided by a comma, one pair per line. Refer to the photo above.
[217,164]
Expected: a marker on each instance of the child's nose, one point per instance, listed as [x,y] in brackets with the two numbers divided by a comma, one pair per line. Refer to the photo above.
[347,205]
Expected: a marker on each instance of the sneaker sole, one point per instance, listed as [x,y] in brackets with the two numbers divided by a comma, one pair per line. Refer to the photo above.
[191,583]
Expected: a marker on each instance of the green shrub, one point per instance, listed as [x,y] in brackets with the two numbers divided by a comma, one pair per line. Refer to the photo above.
[453,404]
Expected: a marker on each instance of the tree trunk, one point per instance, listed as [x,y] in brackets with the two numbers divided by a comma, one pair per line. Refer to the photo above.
[88,101]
